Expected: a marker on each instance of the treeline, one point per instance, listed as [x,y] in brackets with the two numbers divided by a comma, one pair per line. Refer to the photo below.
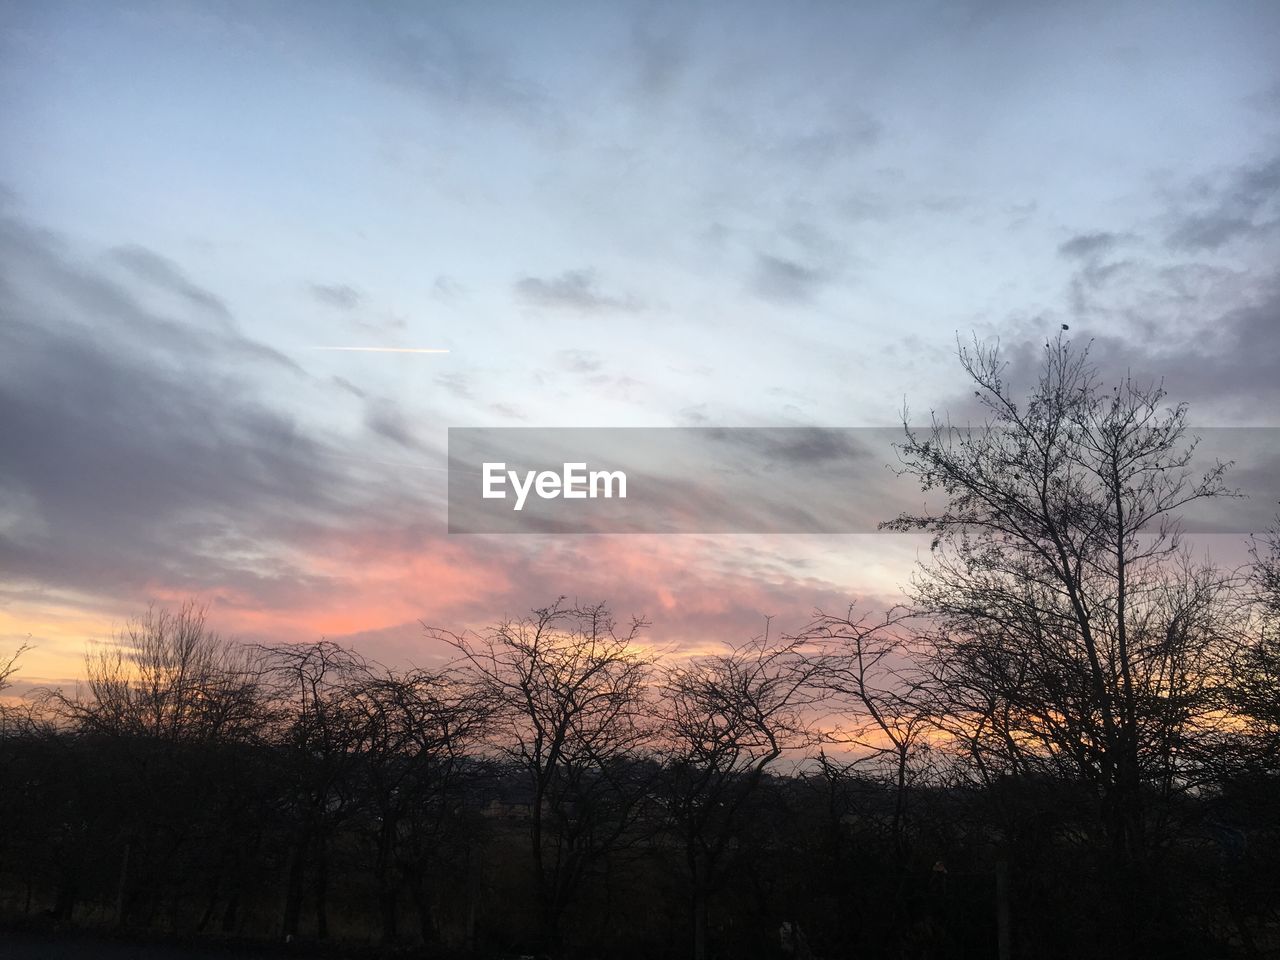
[561,789]
[1065,743]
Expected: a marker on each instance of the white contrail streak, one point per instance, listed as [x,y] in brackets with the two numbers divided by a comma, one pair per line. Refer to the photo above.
[383,349]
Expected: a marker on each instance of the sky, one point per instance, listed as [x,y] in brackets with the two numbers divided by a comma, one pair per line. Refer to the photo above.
[609,215]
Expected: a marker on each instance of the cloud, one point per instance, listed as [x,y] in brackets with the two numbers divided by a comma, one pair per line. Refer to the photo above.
[580,361]
[1242,206]
[149,452]
[156,462]
[42,277]
[1223,363]
[853,135]
[814,134]
[337,295]
[1087,245]
[386,420]
[458,384]
[786,281]
[164,273]
[394,584]
[447,288]
[659,59]
[693,416]
[450,68]
[573,290]
[507,411]
[345,384]
[802,447]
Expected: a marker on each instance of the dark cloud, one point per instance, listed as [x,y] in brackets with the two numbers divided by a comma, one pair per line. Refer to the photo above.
[1224,366]
[1086,245]
[1091,281]
[786,281]
[386,420]
[42,277]
[349,387]
[337,295]
[1242,206]
[164,273]
[141,446]
[1232,366]
[1210,232]
[573,290]
[787,447]
[1179,309]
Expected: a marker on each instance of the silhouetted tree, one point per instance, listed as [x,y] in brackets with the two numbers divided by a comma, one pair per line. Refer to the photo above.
[8,667]
[864,675]
[167,676]
[415,730]
[319,735]
[1256,679]
[726,718]
[1074,636]
[568,692]
[863,671]
[161,704]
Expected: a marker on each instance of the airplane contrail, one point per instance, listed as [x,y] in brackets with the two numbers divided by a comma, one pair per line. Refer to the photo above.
[384,349]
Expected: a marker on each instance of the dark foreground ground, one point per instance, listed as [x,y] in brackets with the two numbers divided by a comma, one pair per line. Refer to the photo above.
[29,946]
[52,945]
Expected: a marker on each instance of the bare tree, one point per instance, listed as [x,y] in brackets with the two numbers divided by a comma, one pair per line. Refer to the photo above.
[415,730]
[168,676]
[568,689]
[164,699]
[8,667]
[1255,685]
[726,719]
[1074,635]
[862,670]
[320,737]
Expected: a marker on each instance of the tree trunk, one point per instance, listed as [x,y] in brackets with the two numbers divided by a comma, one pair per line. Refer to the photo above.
[700,906]
[292,906]
[64,903]
[122,886]
[388,888]
[1004,927]
[322,891]
[473,896]
[421,888]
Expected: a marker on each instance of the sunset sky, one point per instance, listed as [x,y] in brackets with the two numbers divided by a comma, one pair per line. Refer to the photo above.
[609,215]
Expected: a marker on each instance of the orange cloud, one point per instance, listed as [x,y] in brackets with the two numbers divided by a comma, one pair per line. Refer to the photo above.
[373,588]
